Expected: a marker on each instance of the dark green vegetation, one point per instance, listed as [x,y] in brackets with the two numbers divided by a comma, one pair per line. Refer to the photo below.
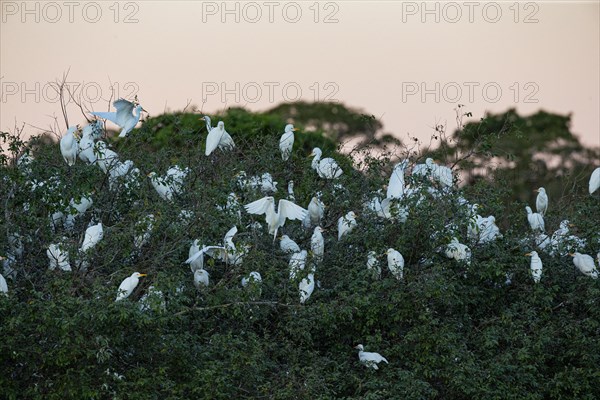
[446,334]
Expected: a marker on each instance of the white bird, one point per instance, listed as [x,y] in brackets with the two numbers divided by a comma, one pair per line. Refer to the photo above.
[196,255]
[254,277]
[264,183]
[536,221]
[370,360]
[92,130]
[458,251]
[86,148]
[69,146]
[153,299]
[424,169]
[287,245]
[373,264]
[77,208]
[327,168]
[316,210]
[594,181]
[217,137]
[395,189]
[585,264]
[276,219]
[267,184]
[58,258]
[234,255]
[128,285]
[395,263]
[105,157]
[291,195]
[3,284]
[306,287]
[346,224]
[93,235]
[232,206]
[201,278]
[143,230]
[287,141]
[564,243]
[541,201]
[317,244]
[169,185]
[126,117]
[297,263]
[536,266]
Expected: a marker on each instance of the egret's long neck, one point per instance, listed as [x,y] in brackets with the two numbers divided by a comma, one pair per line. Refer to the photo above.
[208,126]
[315,161]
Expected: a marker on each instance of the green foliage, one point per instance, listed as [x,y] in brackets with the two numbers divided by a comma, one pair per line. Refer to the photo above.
[449,330]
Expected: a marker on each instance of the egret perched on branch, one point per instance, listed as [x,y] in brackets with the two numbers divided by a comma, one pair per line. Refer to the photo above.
[58,258]
[143,229]
[395,263]
[536,221]
[316,210]
[297,263]
[93,235]
[536,266]
[395,189]
[306,287]
[287,141]
[217,137]
[196,255]
[276,219]
[69,146]
[264,183]
[317,244]
[254,277]
[541,201]
[80,207]
[370,360]
[594,181]
[128,285]
[327,168]
[346,224]
[105,157]
[126,117]
[458,251]
[585,264]
[171,184]
[287,245]
[201,278]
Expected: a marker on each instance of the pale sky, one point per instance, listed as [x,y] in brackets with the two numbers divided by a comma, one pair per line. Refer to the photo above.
[390,58]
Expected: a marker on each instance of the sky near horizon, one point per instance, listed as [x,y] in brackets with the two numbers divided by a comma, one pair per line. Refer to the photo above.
[407,63]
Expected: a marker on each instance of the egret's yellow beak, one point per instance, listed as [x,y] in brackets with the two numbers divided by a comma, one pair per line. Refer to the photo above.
[149,174]
[202,119]
[311,155]
[572,254]
[571,225]
[295,130]
[528,254]
[143,275]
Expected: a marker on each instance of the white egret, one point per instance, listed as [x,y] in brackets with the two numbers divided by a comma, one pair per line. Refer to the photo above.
[143,230]
[253,277]
[291,195]
[594,181]
[373,264]
[316,210]
[126,117]
[536,266]
[3,284]
[93,235]
[232,206]
[234,255]
[317,244]
[86,148]
[287,245]
[267,184]
[105,157]
[395,189]
[58,258]
[488,230]
[585,264]
[171,184]
[306,287]
[276,219]
[93,130]
[327,168]
[563,242]
[541,201]
[128,285]
[297,263]
[264,183]
[153,299]
[424,169]
[287,141]
[370,360]
[77,208]
[395,263]
[346,224]
[536,221]
[69,146]
[196,255]
[201,278]
[458,251]
[217,137]
[439,173]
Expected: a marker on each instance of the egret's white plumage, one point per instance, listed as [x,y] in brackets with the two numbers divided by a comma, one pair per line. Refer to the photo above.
[143,230]
[536,266]
[196,255]
[317,244]
[69,146]
[3,284]
[541,201]
[316,210]
[287,141]
[370,360]
[585,264]
[77,208]
[105,157]
[126,117]
[253,277]
[171,184]
[276,219]
[306,287]
[346,224]
[128,285]
[594,181]
[458,251]
[395,189]
[536,221]
[373,264]
[395,263]
[297,263]
[58,258]
[201,278]
[93,235]
[327,168]
[287,245]
[290,188]
[217,137]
